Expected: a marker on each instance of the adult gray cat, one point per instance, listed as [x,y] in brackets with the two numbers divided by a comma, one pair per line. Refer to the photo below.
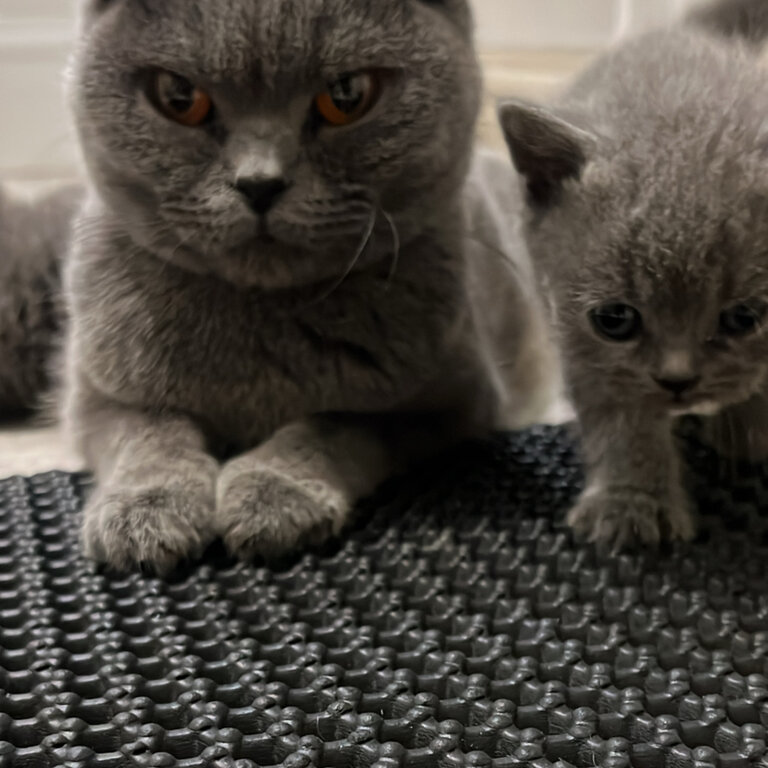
[34,235]
[276,299]
[647,215]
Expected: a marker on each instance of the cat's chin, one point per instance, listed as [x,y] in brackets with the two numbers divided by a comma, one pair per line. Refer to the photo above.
[270,265]
[704,408]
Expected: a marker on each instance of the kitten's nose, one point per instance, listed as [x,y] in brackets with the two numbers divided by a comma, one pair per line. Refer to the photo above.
[261,194]
[678,386]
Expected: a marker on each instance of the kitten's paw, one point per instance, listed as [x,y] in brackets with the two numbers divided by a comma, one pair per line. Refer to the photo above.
[618,519]
[266,513]
[153,527]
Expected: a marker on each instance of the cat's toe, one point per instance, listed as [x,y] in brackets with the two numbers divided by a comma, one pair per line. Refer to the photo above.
[269,514]
[678,522]
[618,520]
[153,528]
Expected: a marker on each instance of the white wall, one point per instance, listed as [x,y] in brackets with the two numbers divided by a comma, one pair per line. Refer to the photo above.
[35,38]
[569,24]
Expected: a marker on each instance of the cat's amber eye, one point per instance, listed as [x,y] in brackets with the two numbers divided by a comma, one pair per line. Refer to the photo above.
[743,319]
[616,322]
[178,99]
[349,98]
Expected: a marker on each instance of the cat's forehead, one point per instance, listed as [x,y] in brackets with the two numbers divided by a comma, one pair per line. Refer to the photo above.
[664,226]
[675,263]
[228,37]
[262,11]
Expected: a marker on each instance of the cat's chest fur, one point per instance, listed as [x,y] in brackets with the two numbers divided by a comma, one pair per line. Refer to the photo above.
[242,361]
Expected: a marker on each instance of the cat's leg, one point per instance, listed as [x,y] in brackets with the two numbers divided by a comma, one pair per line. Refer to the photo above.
[740,431]
[301,485]
[634,492]
[156,486]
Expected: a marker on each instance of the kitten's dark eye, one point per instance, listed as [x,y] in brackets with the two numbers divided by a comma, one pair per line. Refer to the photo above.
[349,98]
[616,322]
[178,99]
[743,319]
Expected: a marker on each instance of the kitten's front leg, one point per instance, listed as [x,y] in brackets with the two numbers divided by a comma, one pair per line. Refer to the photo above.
[154,500]
[634,489]
[299,486]
[740,431]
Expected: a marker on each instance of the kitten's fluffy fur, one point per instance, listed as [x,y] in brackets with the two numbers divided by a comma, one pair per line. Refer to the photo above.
[224,383]
[741,19]
[34,234]
[647,185]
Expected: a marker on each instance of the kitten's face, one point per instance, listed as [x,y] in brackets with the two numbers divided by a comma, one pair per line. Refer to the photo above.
[276,142]
[662,281]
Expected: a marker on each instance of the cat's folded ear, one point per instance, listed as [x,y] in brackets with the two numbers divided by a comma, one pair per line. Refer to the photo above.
[456,10]
[547,148]
[96,6]
[92,9]
[89,10]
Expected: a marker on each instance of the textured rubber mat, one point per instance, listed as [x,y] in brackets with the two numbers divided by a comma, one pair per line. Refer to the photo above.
[456,625]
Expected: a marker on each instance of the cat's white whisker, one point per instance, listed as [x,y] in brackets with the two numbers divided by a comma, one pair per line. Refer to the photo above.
[358,253]
[494,251]
[395,245]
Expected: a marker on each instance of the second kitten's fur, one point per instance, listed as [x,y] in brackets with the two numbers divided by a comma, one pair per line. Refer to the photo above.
[647,217]
[279,296]
[34,236]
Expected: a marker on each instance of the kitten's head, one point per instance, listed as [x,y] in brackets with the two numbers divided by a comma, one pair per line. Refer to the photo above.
[276,142]
[654,242]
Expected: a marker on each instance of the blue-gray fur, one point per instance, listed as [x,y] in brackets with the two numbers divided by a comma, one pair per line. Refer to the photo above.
[740,19]
[647,184]
[34,235]
[223,382]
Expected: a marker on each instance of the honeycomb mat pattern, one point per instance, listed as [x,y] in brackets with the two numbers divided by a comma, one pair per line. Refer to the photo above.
[456,625]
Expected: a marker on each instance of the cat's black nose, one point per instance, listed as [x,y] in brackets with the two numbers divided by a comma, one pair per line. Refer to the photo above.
[678,386]
[261,194]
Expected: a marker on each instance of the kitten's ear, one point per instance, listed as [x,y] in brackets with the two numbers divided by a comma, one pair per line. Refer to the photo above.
[92,9]
[89,10]
[457,10]
[96,6]
[546,149]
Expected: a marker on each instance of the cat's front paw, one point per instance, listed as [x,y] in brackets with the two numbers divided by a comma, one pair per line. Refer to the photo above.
[152,527]
[263,512]
[617,518]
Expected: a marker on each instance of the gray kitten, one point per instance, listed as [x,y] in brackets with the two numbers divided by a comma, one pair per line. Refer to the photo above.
[278,295]
[34,235]
[647,217]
